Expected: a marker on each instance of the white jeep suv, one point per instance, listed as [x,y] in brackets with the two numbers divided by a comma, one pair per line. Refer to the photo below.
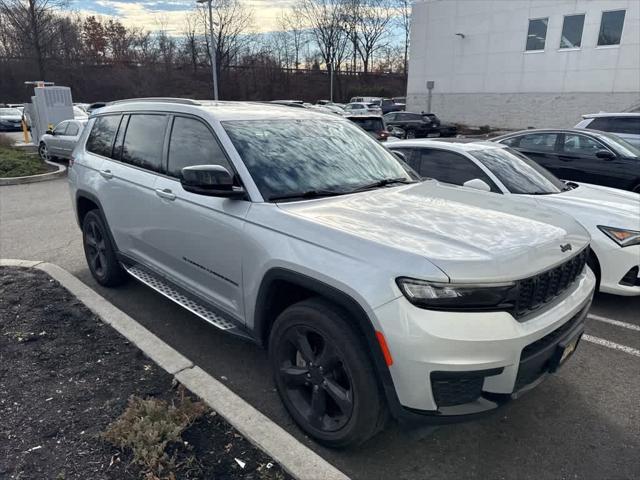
[375,293]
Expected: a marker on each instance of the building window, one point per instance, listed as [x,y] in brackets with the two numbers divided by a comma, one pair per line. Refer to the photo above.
[611,28]
[572,31]
[537,34]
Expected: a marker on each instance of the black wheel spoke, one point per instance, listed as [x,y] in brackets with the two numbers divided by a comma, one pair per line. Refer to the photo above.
[339,395]
[304,347]
[318,407]
[328,358]
[294,376]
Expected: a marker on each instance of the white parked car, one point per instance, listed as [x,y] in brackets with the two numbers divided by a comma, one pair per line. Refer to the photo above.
[361,108]
[625,125]
[374,292]
[60,142]
[611,216]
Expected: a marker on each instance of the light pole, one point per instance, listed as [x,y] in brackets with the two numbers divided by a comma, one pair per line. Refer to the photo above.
[212,50]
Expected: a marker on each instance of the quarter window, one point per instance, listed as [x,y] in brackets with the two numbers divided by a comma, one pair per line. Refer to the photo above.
[192,143]
[450,167]
[539,142]
[100,139]
[143,141]
[611,27]
[537,34]
[572,31]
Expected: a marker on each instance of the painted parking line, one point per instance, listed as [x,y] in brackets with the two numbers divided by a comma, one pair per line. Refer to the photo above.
[617,323]
[612,345]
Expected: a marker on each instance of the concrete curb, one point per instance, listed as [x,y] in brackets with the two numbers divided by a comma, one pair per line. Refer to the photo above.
[42,177]
[294,457]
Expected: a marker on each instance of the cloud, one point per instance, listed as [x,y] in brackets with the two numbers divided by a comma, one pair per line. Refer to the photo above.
[171,14]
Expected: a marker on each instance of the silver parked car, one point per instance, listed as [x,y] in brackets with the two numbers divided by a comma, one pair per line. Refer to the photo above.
[60,142]
[373,291]
[625,125]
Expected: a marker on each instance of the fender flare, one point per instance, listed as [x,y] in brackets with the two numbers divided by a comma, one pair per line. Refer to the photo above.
[91,197]
[362,323]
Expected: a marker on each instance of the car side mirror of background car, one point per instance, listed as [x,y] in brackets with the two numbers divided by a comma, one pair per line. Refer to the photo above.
[49,132]
[478,184]
[211,180]
[606,154]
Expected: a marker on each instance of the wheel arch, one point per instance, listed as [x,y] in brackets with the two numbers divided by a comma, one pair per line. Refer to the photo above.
[594,264]
[86,202]
[281,287]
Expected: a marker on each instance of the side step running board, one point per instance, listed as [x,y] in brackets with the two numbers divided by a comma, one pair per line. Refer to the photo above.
[184,299]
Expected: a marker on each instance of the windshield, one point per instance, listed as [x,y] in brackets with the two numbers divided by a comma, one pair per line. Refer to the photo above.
[289,156]
[14,112]
[518,173]
[619,144]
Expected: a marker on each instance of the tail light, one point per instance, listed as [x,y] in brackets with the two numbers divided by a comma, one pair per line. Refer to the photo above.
[383,135]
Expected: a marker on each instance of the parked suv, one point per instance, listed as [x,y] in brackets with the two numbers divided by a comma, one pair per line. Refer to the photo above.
[375,293]
[625,125]
[416,125]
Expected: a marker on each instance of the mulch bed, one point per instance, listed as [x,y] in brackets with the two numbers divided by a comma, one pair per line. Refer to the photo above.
[65,377]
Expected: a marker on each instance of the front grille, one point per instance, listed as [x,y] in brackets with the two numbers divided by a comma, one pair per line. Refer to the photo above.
[534,292]
[458,388]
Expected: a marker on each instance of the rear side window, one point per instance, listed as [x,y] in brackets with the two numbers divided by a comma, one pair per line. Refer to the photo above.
[616,124]
[72,130]
[143,141]
[192,143]
[104,130]
[539,142]
[450,167]
[61,128]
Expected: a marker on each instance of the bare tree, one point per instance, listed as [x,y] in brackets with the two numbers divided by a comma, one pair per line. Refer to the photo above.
[35,22]
[190,45]
[374,17]
[403,19]
[326,20]
[293,23]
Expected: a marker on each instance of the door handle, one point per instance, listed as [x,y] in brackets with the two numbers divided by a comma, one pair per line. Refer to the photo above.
[166,194]
[106,173]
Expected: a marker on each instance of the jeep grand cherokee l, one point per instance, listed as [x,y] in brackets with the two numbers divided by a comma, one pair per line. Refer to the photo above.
[373,292]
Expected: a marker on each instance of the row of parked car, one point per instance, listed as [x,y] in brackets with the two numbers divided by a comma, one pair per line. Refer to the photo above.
[422,280]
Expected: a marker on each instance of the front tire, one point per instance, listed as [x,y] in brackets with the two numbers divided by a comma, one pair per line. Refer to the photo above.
[99,251]
[324,375]
[43,152]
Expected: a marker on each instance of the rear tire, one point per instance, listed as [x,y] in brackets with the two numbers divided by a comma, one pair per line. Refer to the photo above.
[411,134]
[99,251]
[324,375]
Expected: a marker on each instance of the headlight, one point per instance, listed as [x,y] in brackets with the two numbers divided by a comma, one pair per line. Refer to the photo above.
[458,297]
[621,236]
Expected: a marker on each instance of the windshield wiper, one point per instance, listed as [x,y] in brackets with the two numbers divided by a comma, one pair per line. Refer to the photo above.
[382,183]
[307,194]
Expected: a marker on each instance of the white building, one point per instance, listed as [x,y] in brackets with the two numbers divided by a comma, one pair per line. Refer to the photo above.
[521,63]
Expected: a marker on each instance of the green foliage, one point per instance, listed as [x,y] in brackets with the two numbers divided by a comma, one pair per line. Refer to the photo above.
[16,163]
[148,426]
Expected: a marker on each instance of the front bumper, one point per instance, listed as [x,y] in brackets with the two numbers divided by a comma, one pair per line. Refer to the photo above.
[615,264]
[452,365]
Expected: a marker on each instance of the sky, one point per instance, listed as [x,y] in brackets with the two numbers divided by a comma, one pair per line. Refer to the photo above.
[171,13]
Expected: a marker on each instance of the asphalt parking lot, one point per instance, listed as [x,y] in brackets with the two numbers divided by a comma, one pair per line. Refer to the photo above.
[583,422]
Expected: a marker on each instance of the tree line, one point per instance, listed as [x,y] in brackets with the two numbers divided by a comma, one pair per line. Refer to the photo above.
[349,37]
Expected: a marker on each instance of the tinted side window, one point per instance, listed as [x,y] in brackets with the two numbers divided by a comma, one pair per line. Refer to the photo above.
[61,128]
[539,142]
[616,124]
[512,142]
[143,141]
[580,145]
[100,139]
[451,167]
[72,129]
[192,143]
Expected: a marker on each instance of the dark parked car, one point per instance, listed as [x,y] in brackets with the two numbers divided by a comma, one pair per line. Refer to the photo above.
[588,156]
[417,125]
[10,119]
[373,125]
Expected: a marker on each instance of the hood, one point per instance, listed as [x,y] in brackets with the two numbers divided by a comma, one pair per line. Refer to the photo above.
[469,235]
[598,205]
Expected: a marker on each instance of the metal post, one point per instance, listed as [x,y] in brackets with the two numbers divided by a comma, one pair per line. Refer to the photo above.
[213,54]
[331,82]
[430,85]
[212,50]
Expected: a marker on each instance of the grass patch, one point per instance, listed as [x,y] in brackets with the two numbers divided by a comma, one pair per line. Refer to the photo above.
[17,163]
[148,426]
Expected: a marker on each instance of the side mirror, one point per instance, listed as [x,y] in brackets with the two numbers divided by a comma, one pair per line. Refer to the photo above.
[49,132]
[606,154]
[477,184]
[211,180]
[400,155]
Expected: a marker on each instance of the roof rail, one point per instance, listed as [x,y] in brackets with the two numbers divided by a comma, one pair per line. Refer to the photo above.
[184,101]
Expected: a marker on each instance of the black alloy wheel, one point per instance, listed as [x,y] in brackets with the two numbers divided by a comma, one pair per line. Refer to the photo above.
[324,375]
[99,252]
